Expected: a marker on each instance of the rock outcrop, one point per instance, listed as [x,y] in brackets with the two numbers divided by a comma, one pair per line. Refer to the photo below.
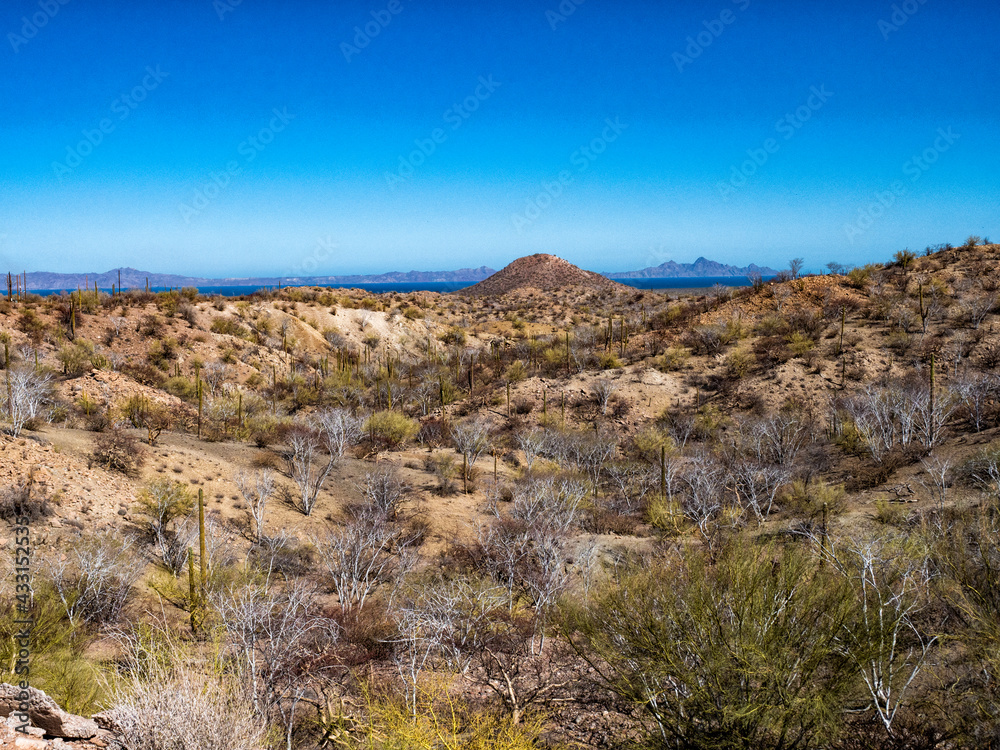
[46,714]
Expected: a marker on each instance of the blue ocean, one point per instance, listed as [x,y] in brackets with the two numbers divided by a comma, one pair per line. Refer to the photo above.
[694,282]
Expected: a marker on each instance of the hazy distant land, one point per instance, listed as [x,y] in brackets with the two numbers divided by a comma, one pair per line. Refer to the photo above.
[129,278]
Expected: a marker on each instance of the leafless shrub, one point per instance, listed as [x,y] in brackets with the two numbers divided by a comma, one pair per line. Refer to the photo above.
[532,442]
[270,639]
[702,494]
[757,485]
[24,500]
[162,706]
[361,555]
[977,306]
[338,430]
[281,554]
[501,550]
[604,389]
[887,645]
[25,397]
[117,322]
[939,473]
[885,416]
[587,450]
[551,504]
[304,449]
[632,481]
[182,539]
[777,438]
[331,432]
[214,374]
[94,578]
[257,488]
[471,439]
[383,491]
[978,395]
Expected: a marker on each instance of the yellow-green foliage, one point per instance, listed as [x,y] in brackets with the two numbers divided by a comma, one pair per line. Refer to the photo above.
[738,643]
[674,358]
[555,355]
[889,514]
[809,500]
[391,428]
[168,301]
[708,420]
[666,515]
[740,361]
[438,721]
[649,441]
[516,372]
[733,331]
[858,277]
[454,335]
[59,665]
[181,387]
[608,361]
[229,327]
[161,351]
[163,500]
[77,358]
[799,344]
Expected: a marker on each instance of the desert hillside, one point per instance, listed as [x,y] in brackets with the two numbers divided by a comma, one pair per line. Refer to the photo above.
[578,513]
[543,272]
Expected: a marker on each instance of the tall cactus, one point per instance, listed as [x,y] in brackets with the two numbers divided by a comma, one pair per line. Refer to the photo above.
[201,542]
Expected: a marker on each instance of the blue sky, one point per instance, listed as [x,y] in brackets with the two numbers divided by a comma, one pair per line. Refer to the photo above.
[235,138]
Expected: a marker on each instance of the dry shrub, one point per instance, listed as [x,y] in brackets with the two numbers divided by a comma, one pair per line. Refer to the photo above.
[19,501]
[160,707]
[117,450]
[606,521]
[523,405]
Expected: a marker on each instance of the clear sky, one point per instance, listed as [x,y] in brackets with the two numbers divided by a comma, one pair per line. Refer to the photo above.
[322,137]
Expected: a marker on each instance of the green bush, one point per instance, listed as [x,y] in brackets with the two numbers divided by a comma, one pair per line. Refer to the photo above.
[76,358]
[230,327]
[391,428]
[674,358]
[739,362]
[732,654]
[59,664]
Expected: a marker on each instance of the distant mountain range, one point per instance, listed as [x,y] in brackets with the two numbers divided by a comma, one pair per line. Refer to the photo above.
[700,268]
[131,278]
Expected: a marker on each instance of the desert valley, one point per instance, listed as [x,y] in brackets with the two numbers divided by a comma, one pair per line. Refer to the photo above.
[547,510]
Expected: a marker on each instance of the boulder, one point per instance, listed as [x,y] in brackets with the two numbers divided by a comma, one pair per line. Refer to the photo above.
[46,714]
